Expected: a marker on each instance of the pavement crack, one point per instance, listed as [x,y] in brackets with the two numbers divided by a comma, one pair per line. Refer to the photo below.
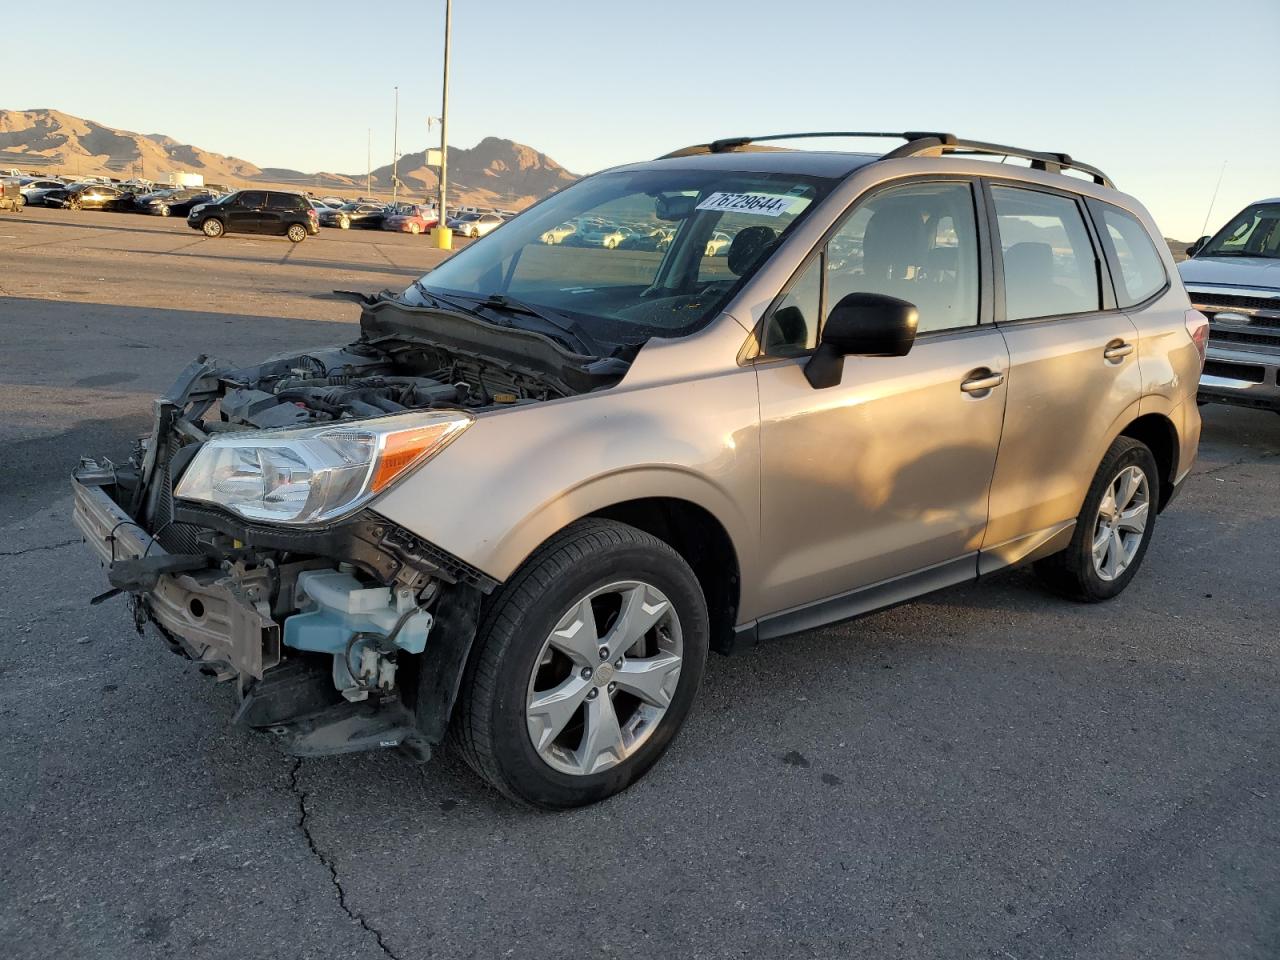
[303,825]
[41,546]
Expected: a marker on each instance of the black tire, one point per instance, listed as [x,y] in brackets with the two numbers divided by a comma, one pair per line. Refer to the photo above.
[490,727]
[212,228]
[296,233]
[1072,573]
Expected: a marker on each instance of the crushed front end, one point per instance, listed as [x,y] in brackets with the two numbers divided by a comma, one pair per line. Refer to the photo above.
[340,634]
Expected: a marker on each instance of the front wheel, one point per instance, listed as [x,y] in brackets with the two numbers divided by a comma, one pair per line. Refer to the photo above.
[586,664]
[344,223]
[1113,529]
[296,232]
[73,204]
[212,228]
[164,210]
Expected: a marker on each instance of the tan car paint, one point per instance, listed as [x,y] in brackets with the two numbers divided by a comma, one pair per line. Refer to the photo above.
[824,491]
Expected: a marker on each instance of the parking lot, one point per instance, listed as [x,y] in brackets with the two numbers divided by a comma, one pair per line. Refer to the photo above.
[987,772]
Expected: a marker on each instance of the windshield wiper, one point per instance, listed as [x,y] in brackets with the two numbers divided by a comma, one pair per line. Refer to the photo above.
[443,300]
[1240,253]
[578,337]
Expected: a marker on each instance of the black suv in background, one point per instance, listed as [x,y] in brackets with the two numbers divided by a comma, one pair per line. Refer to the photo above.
[256,211]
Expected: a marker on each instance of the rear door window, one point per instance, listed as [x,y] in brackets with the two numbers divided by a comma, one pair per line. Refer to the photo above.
[281,202]
[1139,271]
[1050,266]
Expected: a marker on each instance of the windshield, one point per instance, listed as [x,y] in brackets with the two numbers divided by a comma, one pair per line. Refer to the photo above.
[1255,232]
[723,225]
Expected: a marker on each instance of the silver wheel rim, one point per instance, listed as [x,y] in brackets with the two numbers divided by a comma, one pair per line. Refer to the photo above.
[604,678]
[213,228]
[296,233]
[1121,523]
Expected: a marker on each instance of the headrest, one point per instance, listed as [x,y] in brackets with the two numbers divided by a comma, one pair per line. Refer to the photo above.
[748,246]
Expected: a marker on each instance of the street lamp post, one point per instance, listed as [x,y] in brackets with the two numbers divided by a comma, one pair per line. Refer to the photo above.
[395,150]
[444,236]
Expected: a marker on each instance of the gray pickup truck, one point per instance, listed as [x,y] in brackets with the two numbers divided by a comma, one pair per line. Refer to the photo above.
[1233,278]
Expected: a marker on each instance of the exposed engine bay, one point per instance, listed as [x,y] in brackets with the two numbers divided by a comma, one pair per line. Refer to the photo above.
[342,635]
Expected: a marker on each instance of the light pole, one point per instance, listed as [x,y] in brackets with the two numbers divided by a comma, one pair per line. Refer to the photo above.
[444,236]
[395,150]
[368,168]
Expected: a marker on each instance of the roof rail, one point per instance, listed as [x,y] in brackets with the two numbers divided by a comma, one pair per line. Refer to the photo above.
[1040,159]
[732,144]
[919,143]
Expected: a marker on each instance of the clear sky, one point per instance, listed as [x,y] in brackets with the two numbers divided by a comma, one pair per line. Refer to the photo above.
[1158,93]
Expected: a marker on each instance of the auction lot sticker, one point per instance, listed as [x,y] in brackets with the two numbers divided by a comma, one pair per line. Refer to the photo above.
[761,204]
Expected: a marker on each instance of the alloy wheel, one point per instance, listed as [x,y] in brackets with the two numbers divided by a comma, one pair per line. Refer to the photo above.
[604,678]
[1121,522]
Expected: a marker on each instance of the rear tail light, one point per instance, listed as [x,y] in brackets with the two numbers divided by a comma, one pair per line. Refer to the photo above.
[1198,330]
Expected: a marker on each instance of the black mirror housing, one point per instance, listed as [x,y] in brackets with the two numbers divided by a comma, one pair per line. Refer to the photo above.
[864,325]
[1197,246]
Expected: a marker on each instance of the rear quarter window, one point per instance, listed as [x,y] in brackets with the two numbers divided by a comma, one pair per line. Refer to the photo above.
[1141,272]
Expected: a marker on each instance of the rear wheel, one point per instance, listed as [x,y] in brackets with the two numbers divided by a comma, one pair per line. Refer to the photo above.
[164,210]
[586,664]
[344,223]
[413,228]
[296,232]
[1113,529]
[73,204]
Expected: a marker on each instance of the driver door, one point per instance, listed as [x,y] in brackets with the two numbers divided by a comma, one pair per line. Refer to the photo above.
[887,474]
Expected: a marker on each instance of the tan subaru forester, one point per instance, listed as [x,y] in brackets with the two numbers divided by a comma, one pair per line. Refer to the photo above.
[684,405]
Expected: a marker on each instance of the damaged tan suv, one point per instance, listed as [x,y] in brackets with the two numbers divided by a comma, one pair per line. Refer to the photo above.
[548,478]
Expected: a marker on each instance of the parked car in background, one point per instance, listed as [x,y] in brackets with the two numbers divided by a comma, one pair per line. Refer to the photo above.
[475,224]
[334,202]
[1233,278]
[410,218]
[271,212]
[39,196]
[718,245]
[173,202]
[357,213]
[558,233]
[86,196]
[647,238]
[597,234]
[33,187]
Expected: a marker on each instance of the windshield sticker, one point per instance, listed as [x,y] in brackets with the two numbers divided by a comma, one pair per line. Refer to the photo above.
[761,204]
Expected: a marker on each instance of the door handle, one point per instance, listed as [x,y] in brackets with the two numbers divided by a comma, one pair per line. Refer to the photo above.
[982,381]
[1117,350]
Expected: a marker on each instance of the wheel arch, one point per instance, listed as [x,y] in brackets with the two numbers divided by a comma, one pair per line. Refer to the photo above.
[702,541]
[1157,432]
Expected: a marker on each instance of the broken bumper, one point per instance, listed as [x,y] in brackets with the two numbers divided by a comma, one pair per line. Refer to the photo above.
[219,619]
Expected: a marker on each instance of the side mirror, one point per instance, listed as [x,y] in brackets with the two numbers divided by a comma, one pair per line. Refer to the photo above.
[865,325]
[1197,246]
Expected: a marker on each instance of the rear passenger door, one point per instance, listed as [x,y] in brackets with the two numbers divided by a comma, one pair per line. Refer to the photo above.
[275,214]
[1073,364]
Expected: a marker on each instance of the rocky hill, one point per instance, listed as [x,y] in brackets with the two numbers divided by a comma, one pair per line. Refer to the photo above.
[495,171]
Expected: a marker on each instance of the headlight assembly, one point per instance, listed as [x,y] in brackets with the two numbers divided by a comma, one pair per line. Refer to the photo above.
[315,474]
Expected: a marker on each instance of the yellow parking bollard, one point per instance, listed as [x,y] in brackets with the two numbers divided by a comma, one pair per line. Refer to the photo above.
[444,237]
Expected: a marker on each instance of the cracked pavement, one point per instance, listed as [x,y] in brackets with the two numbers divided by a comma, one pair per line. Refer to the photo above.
[987,772]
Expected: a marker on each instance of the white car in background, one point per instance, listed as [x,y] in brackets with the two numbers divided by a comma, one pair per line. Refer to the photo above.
[558,234]
[719,244]
[475,224]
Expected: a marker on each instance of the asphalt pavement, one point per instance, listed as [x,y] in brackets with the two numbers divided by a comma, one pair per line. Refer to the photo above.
[988,772]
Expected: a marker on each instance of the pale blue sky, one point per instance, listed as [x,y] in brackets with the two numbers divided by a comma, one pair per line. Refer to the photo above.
[1158,93]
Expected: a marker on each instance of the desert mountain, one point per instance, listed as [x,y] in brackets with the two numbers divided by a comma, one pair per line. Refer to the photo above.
[495,171]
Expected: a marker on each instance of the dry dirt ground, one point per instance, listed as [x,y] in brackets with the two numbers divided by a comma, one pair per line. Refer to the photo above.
[988,772]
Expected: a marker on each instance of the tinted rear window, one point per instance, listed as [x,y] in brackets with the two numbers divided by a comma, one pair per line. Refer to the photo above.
[1141,272]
